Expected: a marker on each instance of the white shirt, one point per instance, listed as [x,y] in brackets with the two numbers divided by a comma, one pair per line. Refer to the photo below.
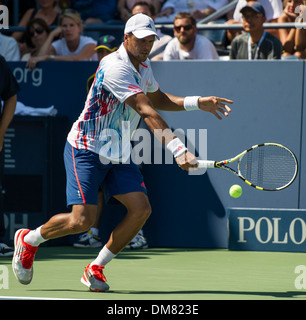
[9,48]
[62,49]
[273,9]
[188,6]
[203,49]
[163,40]
[107,123]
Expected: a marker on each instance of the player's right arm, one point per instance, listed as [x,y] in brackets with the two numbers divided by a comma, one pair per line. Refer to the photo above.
[168,102]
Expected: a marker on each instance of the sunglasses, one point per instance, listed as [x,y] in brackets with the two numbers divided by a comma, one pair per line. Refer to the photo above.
[186,28]
[38,30]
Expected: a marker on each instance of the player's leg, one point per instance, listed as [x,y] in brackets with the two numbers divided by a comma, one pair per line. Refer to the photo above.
[83,178]
[80,219]
[27,241]
[125,183]
[138,211]
[91,239]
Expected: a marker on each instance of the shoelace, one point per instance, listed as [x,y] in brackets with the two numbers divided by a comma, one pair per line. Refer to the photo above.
[97,271]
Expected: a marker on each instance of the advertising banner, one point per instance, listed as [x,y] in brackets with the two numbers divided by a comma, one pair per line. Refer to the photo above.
[267,229]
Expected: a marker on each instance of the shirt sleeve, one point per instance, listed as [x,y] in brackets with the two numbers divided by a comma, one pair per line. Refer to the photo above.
[120,82]
[13,51]
[10,86]
[56,45]
[170,53]
[153,84]
[233,50]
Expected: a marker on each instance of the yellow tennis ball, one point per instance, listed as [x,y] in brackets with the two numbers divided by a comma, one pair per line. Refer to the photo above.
[235,191]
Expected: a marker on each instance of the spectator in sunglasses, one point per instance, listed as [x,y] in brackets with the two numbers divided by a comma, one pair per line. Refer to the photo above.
[71,47]
[46,9]
[187,44]
[36,34]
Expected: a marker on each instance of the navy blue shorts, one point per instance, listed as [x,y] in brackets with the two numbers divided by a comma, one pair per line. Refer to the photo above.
[85,174]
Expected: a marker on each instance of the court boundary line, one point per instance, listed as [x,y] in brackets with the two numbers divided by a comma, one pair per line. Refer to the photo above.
[35,298]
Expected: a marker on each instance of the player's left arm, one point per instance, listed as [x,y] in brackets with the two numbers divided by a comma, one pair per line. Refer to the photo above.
[143,106]
[168,102]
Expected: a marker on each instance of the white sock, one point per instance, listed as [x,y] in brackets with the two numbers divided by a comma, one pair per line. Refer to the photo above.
[104,257]
[34,237]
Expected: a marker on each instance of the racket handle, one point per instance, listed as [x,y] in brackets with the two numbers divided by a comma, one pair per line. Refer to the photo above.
[206,164]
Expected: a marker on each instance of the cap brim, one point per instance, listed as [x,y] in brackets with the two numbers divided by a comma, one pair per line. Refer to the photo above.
[140,34]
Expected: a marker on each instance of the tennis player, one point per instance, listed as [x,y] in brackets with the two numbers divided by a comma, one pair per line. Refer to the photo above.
[124,90]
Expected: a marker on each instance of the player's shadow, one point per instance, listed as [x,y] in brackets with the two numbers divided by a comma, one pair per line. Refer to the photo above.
[272,294]
[285,295]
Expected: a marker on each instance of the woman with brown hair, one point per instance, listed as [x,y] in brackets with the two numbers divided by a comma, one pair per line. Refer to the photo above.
[71,47]
[47,11]
[36,34]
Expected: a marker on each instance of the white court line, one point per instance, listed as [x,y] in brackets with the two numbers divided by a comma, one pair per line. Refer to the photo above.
[34,298]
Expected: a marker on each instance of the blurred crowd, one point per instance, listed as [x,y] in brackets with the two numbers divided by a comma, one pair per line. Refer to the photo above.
[68,30]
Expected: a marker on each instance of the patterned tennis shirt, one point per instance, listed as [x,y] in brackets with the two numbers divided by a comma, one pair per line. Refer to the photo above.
[106,124]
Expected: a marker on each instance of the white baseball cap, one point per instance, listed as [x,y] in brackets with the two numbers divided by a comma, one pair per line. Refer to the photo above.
[141,26]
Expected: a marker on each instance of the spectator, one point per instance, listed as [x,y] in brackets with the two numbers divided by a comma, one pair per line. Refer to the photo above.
[36,34]
[125,7]
[8,93]
[9,48]
[187,44]
[291,38]
[198,8]
[47,11]
[273,10]
[95,11]
[256,43]
[72,47]
[105,45]
[300,35]
[159,45]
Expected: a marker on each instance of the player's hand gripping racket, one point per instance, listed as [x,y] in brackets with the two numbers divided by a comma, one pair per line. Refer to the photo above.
[267,166]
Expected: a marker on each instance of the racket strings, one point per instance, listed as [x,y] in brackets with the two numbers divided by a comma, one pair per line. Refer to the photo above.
[268,166]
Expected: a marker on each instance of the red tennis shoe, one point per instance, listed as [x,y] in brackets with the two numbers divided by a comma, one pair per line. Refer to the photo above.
[23,257]
[94,278]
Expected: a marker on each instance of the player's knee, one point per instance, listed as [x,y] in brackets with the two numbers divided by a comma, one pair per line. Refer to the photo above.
[142,212]
[146,212]
[81,222]
[80,225]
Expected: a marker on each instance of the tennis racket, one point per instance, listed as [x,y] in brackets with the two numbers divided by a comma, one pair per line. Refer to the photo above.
[267,166]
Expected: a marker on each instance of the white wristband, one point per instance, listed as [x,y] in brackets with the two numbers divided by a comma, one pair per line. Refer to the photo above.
[191,103]
[176,147]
